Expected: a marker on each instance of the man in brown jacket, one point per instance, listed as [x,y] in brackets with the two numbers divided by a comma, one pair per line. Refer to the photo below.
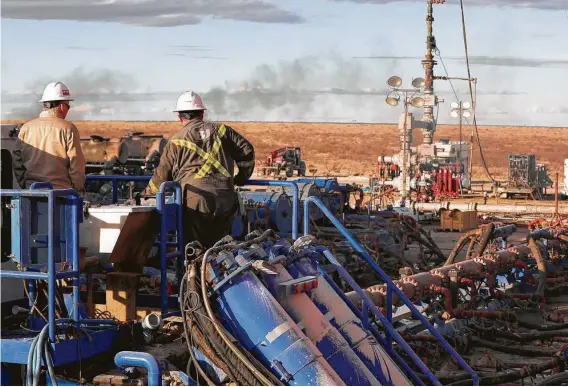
[48,148]
[201,157]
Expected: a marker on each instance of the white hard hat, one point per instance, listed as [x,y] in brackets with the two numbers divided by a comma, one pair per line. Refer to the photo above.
[56,91]
[189,101]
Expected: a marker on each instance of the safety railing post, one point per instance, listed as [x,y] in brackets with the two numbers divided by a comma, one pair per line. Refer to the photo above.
[51,265]
[385,321]
[388,337]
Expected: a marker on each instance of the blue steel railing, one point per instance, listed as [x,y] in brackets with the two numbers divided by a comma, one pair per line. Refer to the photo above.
[295,198]
[44,190]
[368,305]
[164,209]
[114,179]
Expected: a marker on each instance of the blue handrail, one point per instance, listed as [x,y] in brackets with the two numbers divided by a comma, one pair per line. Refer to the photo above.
[44,190]
[391,332]
[114,181]
[295,198]
[161,208]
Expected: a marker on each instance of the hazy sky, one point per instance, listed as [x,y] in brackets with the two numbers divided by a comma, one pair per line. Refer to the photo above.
[321,60]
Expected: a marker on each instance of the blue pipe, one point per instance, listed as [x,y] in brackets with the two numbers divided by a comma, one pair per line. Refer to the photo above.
[32,275]
[141,359]
[39,193]
[295,198]
[390,331]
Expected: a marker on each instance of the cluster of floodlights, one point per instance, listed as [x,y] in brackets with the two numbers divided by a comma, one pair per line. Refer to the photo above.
[393,97]
[460,108]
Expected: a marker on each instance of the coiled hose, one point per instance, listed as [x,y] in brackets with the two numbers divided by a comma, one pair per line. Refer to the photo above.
[40,346]
[202,326]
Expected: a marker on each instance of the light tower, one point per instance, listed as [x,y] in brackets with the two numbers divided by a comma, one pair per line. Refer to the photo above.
[405,124]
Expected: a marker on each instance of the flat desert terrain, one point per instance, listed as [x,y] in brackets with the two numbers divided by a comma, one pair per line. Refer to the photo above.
[352,148]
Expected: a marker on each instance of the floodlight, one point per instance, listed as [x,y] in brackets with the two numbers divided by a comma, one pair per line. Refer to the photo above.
[454,114]
[466,113]
[392,101]
[417,102]
[418,83]
[394,82]
[454,105]
[466,105]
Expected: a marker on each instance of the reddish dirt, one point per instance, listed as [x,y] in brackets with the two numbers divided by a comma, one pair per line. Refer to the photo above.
[352,149]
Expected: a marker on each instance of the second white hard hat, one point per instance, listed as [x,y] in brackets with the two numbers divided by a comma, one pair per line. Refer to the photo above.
[56,91]
[189,101]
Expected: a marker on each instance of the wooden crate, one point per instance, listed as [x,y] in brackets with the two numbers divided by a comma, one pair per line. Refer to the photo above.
[458,220]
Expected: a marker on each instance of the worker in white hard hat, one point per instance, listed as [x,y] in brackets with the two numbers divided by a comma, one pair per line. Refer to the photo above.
[48,148]
[201,157]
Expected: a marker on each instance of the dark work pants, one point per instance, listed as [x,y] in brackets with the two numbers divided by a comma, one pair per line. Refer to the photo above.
[205,228]
[208,215]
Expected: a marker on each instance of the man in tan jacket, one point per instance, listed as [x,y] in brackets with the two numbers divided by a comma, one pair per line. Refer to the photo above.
[48,148]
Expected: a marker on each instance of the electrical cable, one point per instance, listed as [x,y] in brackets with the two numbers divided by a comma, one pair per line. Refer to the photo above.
[471,94]
[554,380]
[262,378]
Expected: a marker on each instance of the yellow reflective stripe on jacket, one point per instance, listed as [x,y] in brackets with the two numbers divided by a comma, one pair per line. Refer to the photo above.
[214,153]
[210,158]
[153,186]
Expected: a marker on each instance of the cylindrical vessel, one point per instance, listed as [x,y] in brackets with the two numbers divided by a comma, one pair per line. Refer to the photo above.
[279,207]
[494,208]
[350,326]
[263,327]
[328,340]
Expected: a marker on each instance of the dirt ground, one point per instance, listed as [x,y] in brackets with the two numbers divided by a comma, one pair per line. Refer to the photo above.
[352,149]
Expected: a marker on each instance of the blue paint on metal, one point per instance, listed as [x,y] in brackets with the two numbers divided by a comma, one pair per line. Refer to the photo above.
[262,326]
[72,199]
[214,372]
[295,198]
[387,322]
[279,209]
[333,346]
[16,349]
[62,382]
[173,213]
[239,226]
[141,359]
[5,377]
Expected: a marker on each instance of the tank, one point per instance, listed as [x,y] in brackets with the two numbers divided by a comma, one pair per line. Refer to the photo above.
[318,329]
[99,150]
[262,326]
[278,204]
[373,355]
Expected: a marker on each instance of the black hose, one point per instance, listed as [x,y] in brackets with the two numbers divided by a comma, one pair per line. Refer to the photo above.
[522,337]
[260,372]
[193,360]
[513,349]
[554,380]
